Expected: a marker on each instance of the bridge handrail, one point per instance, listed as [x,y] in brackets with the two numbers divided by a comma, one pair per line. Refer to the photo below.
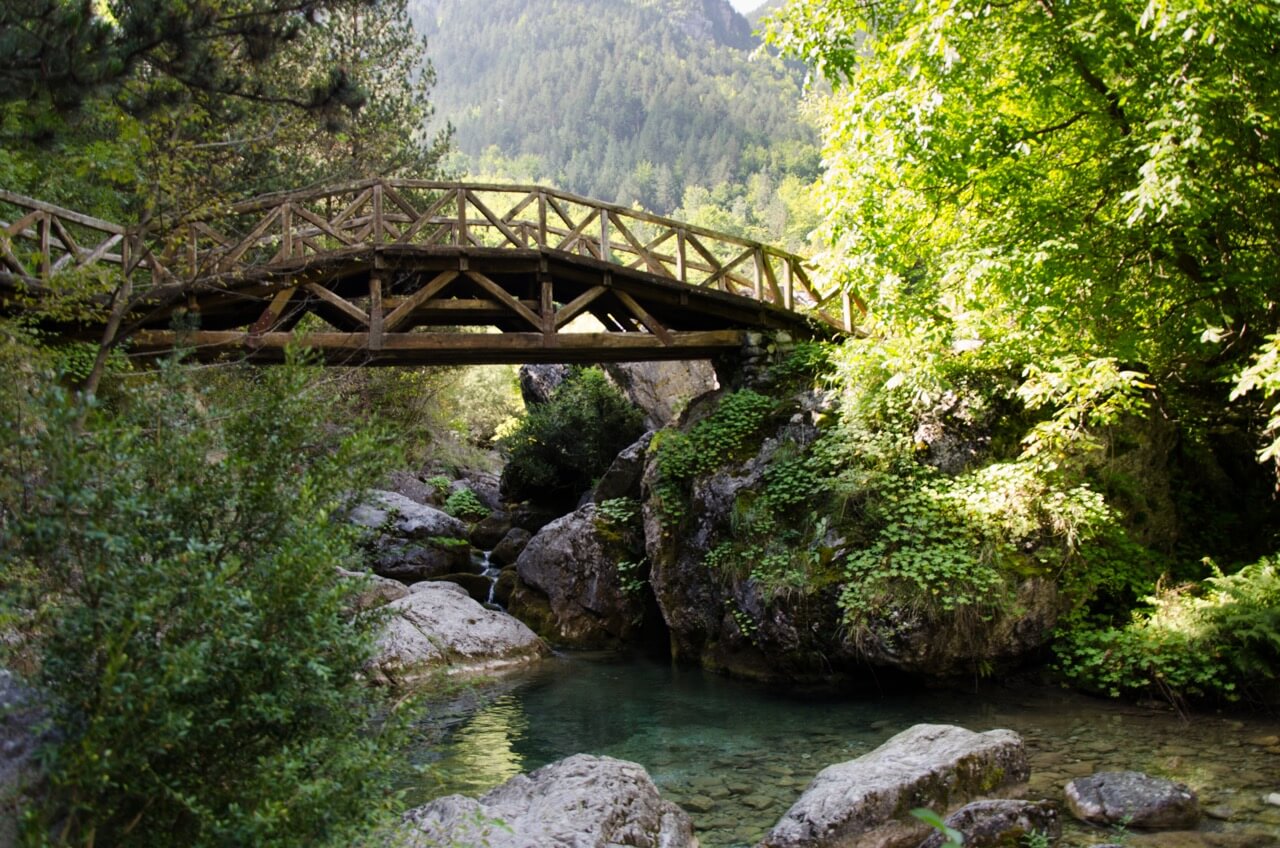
[275,230]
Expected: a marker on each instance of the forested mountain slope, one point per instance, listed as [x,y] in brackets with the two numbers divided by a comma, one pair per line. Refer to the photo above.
[624,100]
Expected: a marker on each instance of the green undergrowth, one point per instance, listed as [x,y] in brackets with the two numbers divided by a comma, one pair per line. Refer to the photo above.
[466,505]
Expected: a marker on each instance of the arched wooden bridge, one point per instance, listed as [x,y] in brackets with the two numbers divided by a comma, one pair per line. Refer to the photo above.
[358,272]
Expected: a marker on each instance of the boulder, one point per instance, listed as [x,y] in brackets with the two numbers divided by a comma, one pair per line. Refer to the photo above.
[580,802]
[1000,824]
[396,514]
[867,802]
[1134,799]
[538,382]
[411,541]
[21,735]
[477,585]
[484,484]
[373,591]
[533,516]
[570,585]
[410,486]
[508,550]
[438,626]
[662,390]
[622,479]
[505,587]
[488,532]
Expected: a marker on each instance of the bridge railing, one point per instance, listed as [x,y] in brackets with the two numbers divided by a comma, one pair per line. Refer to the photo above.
[285,230]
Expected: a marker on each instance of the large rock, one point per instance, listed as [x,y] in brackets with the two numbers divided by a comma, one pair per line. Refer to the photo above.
[508,550]
[1001,824]
[411,541]
[1134,799]
[371,590]
[662,389]
[622,479]
[579,802]
[571,587]
[21,734]
[438,626]
[866,803]
[394,513]
[538,382]
[489,531]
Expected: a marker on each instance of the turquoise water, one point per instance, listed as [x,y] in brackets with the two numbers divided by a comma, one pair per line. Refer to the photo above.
[736,755]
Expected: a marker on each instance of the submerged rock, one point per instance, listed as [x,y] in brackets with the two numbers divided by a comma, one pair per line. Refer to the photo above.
[1133,799]
[1001,823]
[579,802]
[866,802]
[438,626]
[571,587]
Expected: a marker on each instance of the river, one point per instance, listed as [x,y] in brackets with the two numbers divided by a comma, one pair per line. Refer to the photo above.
[736,754]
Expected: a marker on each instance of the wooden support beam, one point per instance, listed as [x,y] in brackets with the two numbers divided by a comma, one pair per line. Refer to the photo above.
[505,298]
[376,326]
[645,318]
[272,313]
[574,307]
[343,305]
[413,301]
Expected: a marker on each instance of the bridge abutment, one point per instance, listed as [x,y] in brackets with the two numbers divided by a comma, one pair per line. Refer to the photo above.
[749,367]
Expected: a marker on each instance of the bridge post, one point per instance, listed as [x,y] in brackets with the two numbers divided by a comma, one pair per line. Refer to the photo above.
[748,367]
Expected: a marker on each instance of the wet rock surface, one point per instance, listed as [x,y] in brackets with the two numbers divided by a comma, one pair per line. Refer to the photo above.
[579,802]
[438,626]
[1133,799]
[866,802]
[1000,823]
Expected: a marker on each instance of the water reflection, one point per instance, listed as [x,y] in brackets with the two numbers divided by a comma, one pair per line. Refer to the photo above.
[482,753]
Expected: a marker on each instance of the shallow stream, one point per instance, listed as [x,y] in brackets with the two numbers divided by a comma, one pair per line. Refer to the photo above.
[737,755]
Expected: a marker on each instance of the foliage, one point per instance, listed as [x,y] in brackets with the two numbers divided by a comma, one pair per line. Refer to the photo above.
[621,511]
[953,838]
[191,635]
[714,442]
[563,445]
[1212,639]
[1263,376]
[465,504]
[676,100]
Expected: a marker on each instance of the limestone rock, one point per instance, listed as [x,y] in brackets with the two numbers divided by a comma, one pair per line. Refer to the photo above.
[1000,824]
[439,626]
[373,591]
[662,389]
[411,541]
[866,802]
[508,550]
[477,585]
[410,486]
[1134,798]
[579,802]
[571,566]
[622,479]
[396,514]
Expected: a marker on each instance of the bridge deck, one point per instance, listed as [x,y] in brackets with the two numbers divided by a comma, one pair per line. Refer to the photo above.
[389,272]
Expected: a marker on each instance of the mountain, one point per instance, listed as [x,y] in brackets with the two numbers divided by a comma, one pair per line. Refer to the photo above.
[633,101]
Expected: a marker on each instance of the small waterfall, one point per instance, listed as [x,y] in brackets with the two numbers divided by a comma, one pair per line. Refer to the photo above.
[490,571]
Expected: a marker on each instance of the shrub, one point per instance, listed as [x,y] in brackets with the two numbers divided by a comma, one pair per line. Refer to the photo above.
[465,504]
[191,632]
[563,445]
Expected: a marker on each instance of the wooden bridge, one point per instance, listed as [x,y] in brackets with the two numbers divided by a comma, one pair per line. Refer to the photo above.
[413,272]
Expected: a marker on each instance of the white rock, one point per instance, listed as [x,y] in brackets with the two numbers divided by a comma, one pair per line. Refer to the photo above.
[864,803]
[437,626]
[579,802]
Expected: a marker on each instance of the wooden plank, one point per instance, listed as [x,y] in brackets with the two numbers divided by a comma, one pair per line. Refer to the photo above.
[648,320]
[352,208]
[643,251]
[547,304]
[428,217]
[505,298]
[389,192]
[723,272]
[250,240]
[67,214]
[343,305]
[322,225]
[463,237]
[421,296]
[272,313]
[574,307]
[375,312]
